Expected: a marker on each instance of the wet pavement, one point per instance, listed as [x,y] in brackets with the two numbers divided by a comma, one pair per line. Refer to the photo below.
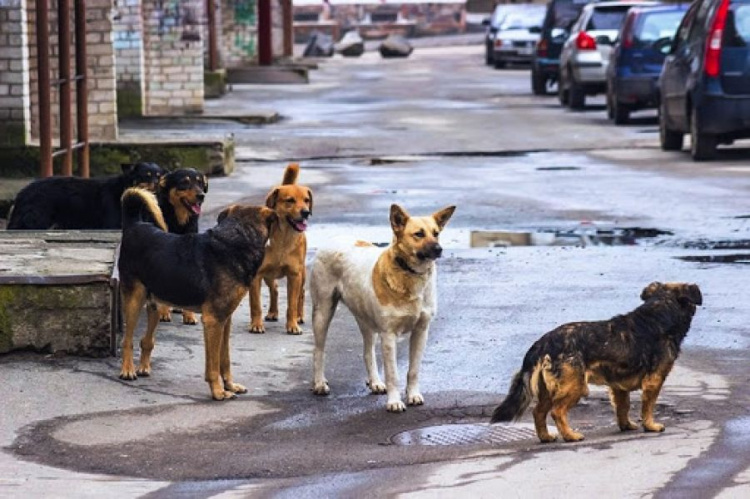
[436,129]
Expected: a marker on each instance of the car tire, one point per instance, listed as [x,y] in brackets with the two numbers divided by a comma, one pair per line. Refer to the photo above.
[669,139]
[488,55]
[702,145]
[610,110]
[576,96]
[620,112]
[562,92]
[500,64]
[538,83]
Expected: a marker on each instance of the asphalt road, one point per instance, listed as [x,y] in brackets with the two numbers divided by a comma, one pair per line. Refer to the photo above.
[438,128]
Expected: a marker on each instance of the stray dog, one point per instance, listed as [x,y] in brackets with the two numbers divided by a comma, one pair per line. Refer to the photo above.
[206,273]
[285,255]
[74,203]
[627,353]
[180,195]
[389,292]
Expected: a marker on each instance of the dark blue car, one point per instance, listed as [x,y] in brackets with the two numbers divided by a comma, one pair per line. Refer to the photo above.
[705,81]
[636,60]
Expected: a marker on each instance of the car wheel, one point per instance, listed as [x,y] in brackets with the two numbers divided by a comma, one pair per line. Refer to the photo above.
[620,112]
[670,140]
[488,55]
[499,64]
[562,91]
[576,96]
[538,83]
[610,111]
[702,145]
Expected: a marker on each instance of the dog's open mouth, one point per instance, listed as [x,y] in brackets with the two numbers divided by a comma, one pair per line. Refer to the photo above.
[195,208]
[298,225]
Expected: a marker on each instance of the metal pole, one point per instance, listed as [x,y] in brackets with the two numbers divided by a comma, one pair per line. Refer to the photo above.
[45,123]
[66,117]
[265,48]
[288,21]
[82,89]
[213,43]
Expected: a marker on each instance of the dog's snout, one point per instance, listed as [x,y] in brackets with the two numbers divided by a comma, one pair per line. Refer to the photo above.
[305,213]
[201,196]
[437,250]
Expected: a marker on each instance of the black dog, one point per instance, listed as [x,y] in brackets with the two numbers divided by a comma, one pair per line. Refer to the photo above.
[180,195]
[207,273]
[635,351]
[67,203]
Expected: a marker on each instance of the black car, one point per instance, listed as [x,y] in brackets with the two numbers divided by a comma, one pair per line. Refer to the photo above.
[545,64]
[704,86]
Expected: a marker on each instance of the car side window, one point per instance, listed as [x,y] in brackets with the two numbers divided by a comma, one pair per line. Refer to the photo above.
[683,31]
[704,11]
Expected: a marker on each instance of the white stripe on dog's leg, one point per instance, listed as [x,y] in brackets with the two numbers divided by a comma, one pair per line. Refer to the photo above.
[373,378]
[394,403]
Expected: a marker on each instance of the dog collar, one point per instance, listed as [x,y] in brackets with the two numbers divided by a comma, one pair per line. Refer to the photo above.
[405,266]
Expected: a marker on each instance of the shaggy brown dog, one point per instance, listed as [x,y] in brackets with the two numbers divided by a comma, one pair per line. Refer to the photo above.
[206,273]
[627,353]
[285,255]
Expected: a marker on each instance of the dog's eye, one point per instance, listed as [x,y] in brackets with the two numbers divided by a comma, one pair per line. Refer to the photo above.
[289,201]
[436,233]
[420,234]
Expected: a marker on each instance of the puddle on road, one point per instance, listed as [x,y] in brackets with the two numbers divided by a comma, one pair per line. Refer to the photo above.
[466,434]
[736,244]
[558,168]
[742,258]
[583,235]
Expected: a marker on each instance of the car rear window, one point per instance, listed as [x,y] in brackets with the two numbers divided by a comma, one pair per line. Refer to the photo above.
[658,25]
[523,20]
[565,12]
[737,31]
[607,18]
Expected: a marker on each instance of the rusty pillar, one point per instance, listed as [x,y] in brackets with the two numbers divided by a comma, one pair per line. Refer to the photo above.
[66,117]
[288,21]
[45,118]
[213,39]
[265,47]
[82,89]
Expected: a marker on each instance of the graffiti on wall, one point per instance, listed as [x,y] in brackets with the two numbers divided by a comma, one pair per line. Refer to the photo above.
[245,20]
[177,21]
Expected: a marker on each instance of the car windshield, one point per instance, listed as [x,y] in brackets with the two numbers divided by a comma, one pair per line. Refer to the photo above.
[566,12]
[737,32]
[523,20]
[658,25]
[609,18]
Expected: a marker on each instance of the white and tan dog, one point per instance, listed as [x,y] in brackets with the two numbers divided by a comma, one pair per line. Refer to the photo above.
[390,292]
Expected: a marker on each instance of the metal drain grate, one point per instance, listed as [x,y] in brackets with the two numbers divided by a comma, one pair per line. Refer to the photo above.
[465,434]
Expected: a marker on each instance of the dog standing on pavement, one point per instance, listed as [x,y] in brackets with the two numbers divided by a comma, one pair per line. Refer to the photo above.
[390,292]
[180,195]
[627,353]
[285,255]
[207,273]
[74,203]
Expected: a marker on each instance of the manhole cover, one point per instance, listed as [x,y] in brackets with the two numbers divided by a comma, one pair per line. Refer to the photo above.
[465,434]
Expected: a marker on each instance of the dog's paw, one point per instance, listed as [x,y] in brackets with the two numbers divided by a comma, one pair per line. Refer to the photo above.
[377,387]
[293,329]
[573,436]
[547,438]
[189,318]
[235,388]
[321,388]
[630,426]
[257,329]
[300,320]
[414,399]
[165,317]
[143,371]
[221,395]
[395,406]
[272,317]
[128,374]
[653,427]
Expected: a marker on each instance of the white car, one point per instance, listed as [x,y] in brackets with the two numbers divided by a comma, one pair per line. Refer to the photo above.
[585,53]
[516,37]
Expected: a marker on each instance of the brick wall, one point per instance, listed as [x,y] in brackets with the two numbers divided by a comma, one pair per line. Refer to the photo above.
[239,40]
[14,82]
[173,56]
[128,43]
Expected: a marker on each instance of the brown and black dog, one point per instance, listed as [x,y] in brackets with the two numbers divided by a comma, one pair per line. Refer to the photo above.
[207,273]
[180,195]
[285,255]
[630,352]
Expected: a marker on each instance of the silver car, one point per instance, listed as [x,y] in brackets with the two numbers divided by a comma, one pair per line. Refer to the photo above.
[517,34]
[585,54]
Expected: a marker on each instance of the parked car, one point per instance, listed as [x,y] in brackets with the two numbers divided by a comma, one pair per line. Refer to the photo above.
[585,54]
[704,85]
[517,35]
[545,63]
[493,25]
[637,58]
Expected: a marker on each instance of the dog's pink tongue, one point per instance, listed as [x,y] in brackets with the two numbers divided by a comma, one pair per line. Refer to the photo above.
[301,226]
[196,209]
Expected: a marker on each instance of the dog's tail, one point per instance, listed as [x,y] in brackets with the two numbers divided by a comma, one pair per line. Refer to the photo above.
[140,205]
[523,389]
[290,174]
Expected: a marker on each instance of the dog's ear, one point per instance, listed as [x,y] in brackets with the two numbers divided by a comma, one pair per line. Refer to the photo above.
[271,199]
[269,216]
[127,168]
[442,216]
[692,294]
[309,194]
[399,217]
[650,290]
[226,212]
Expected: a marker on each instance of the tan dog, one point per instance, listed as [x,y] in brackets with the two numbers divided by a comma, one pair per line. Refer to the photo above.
[390,292]
[285,254]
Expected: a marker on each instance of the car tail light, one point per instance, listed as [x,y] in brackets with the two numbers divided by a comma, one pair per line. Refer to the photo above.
[498,43]
[627,31]
[712,60]
[584,41]
[541,48]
